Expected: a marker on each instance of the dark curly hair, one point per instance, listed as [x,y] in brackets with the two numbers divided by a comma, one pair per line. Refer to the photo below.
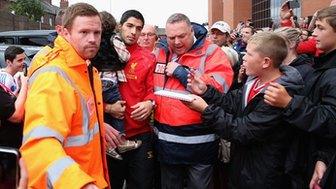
[107,58]
[108,21]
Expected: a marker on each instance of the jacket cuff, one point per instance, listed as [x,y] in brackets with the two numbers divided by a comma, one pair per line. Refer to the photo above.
[209,114]
[181,74]
[150,97]
[74,171]
[324,156]
[295,103]
[208,94]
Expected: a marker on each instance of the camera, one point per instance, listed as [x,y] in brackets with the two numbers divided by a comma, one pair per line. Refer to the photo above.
[9,167]
[293,4]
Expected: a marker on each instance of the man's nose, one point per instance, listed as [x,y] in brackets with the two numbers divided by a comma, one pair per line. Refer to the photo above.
[92,37]
[177,40]
[133,30]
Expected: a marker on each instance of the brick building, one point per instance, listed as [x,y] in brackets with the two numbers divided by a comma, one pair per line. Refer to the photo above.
[262,12]
[10,21]
[231,11]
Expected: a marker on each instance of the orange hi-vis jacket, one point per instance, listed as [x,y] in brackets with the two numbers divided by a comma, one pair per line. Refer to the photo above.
[210,61]
[63,143]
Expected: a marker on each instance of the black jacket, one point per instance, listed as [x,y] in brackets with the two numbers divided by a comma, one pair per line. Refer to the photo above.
[304,64]
[107,58]
[259,136]
[298,168]
[315,112]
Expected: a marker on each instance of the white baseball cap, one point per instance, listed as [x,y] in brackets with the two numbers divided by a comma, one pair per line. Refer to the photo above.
[221,26]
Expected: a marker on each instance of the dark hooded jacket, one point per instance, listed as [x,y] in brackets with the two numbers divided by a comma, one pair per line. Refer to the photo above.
[297,161]
[259,136]
[304,64]
[315,112]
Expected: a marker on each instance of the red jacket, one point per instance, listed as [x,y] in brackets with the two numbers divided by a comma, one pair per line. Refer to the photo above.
[216,70]
[139,87]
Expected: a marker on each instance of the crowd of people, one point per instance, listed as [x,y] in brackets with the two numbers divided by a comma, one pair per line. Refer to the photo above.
[262,114]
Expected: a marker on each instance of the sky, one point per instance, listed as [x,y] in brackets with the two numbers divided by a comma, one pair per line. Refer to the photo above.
[155,12]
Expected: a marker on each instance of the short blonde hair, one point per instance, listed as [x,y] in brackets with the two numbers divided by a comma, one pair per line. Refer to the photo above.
[271,45]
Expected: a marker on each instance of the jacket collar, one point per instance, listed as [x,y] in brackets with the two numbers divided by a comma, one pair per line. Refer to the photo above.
[326,61]
[302,59]
[200,33]
[67,52]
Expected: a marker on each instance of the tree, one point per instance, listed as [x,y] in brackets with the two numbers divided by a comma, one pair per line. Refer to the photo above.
[30,8]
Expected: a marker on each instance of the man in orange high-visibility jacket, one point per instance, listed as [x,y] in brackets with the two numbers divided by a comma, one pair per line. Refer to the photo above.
[63,138]
[185,146]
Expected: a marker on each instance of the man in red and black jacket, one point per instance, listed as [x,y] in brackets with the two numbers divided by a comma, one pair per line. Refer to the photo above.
[137,166]
[185,146]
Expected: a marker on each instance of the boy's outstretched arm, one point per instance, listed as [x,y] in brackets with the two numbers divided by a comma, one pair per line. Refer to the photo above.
[244,129]
[197,103]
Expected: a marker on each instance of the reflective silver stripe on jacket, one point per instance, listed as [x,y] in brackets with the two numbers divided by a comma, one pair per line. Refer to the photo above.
[43,132]
[217,77]
[221,81]
[78,140]
[81,140]
[211,48]
[199,139]
[56,169]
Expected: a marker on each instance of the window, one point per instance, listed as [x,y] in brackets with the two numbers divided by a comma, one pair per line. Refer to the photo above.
[35,41]
[7,40]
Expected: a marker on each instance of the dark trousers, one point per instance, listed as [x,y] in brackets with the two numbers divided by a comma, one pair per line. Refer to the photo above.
[137,166]
[197,176]
[221,175]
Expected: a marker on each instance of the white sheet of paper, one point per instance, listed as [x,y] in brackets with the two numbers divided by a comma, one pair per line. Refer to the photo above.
[175,95]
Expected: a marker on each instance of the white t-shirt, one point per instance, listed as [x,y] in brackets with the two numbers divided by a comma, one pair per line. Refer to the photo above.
[9,81]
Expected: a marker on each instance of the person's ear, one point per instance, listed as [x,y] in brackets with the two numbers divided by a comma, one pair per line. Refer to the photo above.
[65,31]
[292,44]
[119,27]
[8,62]
[267,63]
[59,29]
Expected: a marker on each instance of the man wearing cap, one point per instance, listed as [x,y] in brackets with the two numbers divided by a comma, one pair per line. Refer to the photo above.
[219,35]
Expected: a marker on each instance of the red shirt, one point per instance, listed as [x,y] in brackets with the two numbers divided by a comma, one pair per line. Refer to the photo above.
[256,88]
[139,87]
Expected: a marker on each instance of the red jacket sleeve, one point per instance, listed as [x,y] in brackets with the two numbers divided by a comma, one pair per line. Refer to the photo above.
[218,71]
